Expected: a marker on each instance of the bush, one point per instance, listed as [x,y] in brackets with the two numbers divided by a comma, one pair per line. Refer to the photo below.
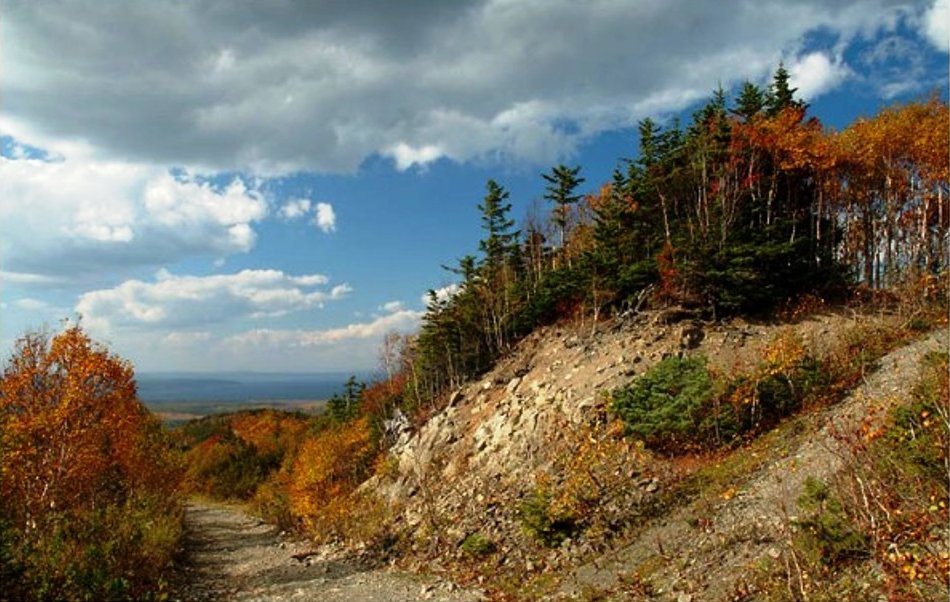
[673,407]
[826,534]
[541,522]
[89,500]
[477,545]
[230,456]
[110,553]
[889,504]
[328,468]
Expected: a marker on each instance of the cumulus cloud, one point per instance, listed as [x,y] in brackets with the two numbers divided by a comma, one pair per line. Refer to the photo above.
[280,87]
[81,216]
[441,294]
[936,25]
[407,156]
[173,301]
[816,73]
[295,209]
[402,320]
[325,217]
[350,347]
[391,306]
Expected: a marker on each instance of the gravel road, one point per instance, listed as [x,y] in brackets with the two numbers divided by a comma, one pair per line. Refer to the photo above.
[230,555]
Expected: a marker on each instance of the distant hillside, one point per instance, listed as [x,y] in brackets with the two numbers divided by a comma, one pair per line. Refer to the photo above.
[237,386]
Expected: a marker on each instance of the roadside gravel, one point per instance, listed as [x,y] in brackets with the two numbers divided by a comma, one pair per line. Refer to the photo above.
[230,555]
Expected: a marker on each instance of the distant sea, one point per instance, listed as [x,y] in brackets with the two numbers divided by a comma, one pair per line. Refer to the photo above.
[182,394]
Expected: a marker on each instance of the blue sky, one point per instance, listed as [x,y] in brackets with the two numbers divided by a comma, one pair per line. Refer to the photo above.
[274,186]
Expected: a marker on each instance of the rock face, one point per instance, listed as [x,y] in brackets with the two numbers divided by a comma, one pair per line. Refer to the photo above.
[468,465]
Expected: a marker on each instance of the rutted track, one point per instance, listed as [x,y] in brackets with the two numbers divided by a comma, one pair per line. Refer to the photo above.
[230,555]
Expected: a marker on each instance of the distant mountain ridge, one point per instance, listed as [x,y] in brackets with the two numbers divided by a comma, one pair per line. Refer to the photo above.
[238,386]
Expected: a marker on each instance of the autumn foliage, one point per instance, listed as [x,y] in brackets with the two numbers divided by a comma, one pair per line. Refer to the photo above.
[232,455]
[87,483]
[326,471]
[745,209]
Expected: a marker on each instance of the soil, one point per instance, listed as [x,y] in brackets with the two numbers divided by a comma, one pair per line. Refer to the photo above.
[230,555]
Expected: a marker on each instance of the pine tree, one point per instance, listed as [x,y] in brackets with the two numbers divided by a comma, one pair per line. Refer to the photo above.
[561,190]
[781,95]
[500,238]
[344,407]
[751,101]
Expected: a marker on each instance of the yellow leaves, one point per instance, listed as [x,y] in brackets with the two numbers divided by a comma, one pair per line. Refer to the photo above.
[71,426]
[328,468]
[268,431]
[785,352]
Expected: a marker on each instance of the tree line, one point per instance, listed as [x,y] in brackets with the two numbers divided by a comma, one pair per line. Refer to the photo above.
[747,206]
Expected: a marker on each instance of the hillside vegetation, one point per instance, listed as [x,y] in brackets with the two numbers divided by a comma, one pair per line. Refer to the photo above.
[89,501]
[605,386]
[647,351]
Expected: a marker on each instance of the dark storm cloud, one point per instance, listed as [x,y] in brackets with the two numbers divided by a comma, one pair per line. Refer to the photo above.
[281,86]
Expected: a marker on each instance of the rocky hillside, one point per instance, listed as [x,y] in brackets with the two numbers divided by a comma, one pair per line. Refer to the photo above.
[531,423]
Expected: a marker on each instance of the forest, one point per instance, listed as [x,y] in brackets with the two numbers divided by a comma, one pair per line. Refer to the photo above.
[751,208]
[745,208]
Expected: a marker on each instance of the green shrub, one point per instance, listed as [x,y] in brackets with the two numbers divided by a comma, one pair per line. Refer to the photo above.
[115,552]
[542,522]
[673,407]
[271,501]
[825,532]
[477,545]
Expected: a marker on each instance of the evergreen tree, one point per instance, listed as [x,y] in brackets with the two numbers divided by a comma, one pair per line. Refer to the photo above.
[344,407]
[562,191]
[781,95]
[649,143]
[751,101]
[499,238]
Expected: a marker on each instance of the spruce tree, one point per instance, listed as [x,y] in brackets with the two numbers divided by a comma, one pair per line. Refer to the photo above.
[751,101]
[499,237]
[561,190]
[781,95]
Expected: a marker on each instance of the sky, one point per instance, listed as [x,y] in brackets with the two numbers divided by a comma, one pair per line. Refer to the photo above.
[273,186]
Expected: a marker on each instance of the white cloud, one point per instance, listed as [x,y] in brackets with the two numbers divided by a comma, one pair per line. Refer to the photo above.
[936,24]
[391,306]
[186,338]
[294,209]
[173,301]
[896,66]
[281,87]
[325,217]
[816,73]
[351,347]
[441,294]
[406,156]
[403,320]
[28,279]
[30,304]
[79,216]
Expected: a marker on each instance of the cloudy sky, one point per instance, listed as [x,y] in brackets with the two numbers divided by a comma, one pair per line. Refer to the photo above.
[273,186]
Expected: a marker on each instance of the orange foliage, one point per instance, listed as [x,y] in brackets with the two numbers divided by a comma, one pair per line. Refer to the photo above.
[896,167]
[268,432]
[71,428]
[380,396]
[328,468]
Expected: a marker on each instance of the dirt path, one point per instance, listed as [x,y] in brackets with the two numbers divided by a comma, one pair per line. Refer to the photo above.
[233,556]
